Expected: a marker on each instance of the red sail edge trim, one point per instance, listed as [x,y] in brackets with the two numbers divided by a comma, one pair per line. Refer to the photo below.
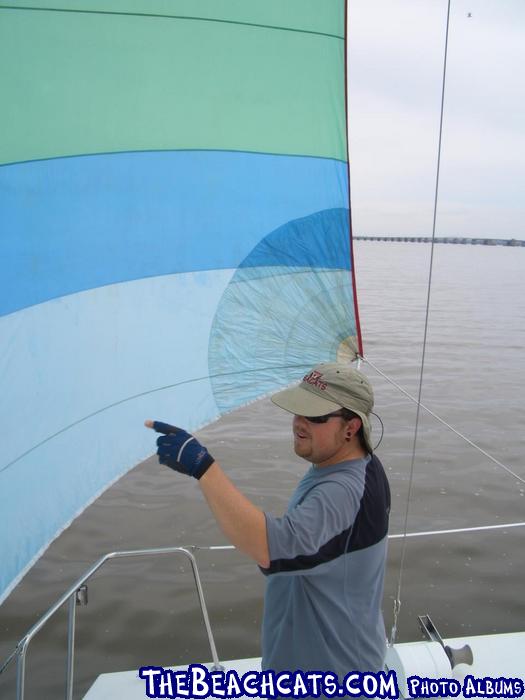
[352,265]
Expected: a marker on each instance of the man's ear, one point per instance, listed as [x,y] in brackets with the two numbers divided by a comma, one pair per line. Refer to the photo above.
[354,425]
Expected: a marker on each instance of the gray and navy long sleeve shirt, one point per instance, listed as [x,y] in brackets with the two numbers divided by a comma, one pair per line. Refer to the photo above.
[322,608]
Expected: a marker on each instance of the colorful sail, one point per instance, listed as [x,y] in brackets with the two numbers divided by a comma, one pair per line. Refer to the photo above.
[175,237]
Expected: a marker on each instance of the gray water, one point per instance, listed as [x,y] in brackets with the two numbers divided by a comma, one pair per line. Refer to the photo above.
[145,611]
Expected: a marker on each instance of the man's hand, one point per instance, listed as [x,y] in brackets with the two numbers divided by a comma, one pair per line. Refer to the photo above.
[180,451]
[241,521]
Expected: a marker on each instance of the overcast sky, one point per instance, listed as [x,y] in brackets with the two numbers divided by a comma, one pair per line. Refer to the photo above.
[395,70]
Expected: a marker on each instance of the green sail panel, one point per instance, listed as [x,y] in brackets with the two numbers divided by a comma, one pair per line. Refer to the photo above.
[118,80]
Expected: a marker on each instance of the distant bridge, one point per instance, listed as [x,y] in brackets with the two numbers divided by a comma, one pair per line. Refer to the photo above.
[449,239]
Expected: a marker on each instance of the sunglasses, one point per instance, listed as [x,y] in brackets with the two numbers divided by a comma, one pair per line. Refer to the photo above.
[323,419]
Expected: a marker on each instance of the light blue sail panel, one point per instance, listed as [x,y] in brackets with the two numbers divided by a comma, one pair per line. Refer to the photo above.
[174,240]
[89,371]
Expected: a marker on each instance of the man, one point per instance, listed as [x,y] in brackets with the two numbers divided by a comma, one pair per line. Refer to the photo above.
[325,558]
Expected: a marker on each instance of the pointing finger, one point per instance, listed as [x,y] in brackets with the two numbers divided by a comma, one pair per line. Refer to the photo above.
[159,427]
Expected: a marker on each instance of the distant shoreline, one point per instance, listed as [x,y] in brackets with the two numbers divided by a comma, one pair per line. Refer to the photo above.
[455,240]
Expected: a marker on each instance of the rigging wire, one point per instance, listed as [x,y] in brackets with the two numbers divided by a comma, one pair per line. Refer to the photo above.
[397,601]
[444,422]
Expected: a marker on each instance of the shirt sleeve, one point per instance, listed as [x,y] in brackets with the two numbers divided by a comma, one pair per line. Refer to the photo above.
[316,531]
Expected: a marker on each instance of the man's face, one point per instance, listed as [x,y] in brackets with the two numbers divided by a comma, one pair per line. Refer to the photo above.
[324,444]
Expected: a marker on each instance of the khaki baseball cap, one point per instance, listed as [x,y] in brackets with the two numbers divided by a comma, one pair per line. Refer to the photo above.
[327,388]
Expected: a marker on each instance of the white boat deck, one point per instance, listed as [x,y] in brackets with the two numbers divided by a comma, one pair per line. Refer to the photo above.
[496,656]
[128,686]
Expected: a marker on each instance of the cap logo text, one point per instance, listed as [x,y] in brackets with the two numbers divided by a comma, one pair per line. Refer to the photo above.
[315,379]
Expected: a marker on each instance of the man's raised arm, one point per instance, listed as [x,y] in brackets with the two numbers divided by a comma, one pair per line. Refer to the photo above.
[241,521]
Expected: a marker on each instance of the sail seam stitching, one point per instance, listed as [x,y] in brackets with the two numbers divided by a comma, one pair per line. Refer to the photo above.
[178,17]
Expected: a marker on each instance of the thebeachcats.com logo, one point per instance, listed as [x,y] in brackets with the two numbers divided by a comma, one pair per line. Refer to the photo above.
[198,682]
[470,687]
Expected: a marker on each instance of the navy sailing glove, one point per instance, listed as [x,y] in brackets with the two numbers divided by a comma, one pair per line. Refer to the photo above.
[181,451]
